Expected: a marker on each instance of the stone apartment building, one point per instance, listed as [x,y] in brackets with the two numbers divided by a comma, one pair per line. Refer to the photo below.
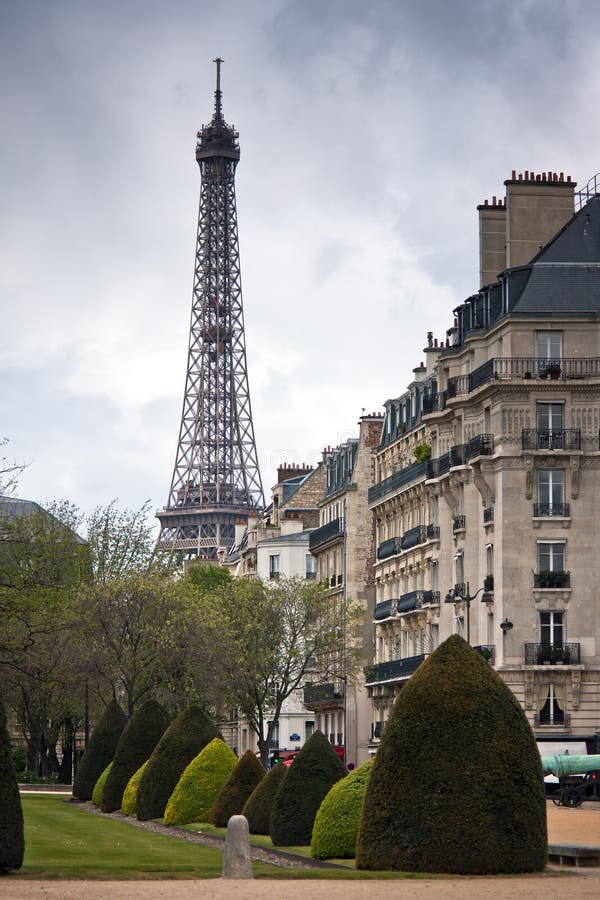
[273,546]
[344,550]
[488,471]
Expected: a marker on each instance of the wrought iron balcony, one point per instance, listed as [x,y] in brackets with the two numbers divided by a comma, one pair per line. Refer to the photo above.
[458,455]
[488,583]
[410,473]
[488,651]
[378,730]
[546,579]
[433,532]
[480,445]
[323,692]
[488,515]
[558,718]
[393,669]
[385,609]
[388,548]
[413,536]
[551,509]
[552,654]
[431,403]
[551,439]
[325,533]
[416,599]
[460,589]
[459,523]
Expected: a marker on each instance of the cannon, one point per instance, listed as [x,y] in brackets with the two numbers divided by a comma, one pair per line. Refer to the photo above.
[578,778]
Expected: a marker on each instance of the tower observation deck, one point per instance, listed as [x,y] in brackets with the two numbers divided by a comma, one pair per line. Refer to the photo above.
[216,480]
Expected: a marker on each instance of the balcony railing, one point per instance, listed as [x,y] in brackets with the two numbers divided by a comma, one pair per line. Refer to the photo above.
[551,439]
[394,668]
[413,536]
[459,523]
[385,609]
[433,532]
[458,455]
[488,515]
[551,509]
[558,718]
[388,548]
[322,693]
[552,654]
[547,579]
[325,533]
[488,651]
[404,476]
[480,445]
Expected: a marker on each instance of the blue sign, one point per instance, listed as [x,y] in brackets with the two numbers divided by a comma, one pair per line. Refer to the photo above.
[294,737]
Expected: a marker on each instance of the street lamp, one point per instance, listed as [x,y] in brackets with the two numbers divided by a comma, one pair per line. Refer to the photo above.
[454,595]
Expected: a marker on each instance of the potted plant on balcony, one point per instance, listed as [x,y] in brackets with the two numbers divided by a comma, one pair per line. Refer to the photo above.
[544,579]
[422,451]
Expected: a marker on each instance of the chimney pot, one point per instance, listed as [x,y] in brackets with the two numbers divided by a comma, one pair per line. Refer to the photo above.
[520,176]
[561,176]
[493,201]
[485,202]
[435,342]
[526,174]
[514,174]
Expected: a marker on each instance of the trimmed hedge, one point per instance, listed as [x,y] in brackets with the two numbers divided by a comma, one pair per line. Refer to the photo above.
[182,741]
[99,751]
[200,784]
[12,840]
[99,786]
[457,783]
[335,831]
[257,807]
[310,777]
[129,801]
[138,739]
[248,772]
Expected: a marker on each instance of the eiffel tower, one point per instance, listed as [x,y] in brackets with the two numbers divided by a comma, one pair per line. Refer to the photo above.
[216,480]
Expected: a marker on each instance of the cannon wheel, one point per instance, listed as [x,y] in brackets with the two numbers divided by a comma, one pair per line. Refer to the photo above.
[557,798]
[572,797]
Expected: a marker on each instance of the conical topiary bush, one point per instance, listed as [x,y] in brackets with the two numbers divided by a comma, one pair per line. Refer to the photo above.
[336,825]
[99,786]
[129,800]
[12,841]
[457,783]
[99,751]
[248,772]
[200,784]
[137,741]
[182,741]
[257,807]
[310,777]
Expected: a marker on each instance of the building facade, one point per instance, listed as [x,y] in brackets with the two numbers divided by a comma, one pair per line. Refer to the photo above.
[489,468]
[344,550]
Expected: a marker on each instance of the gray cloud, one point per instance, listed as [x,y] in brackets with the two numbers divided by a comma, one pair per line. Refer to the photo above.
[369,132]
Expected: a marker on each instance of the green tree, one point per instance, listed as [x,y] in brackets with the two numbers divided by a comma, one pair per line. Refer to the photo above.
[121,541]
[337,821]
[457,783]
[130,637]
[247,774]
[137,741]
[200,784]
[262,639]
[12,841]
[191,731]
[9,472]
[42,562]
[100,751]
[310,777]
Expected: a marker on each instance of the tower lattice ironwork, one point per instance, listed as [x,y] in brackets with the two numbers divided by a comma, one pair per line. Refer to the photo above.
[216,480]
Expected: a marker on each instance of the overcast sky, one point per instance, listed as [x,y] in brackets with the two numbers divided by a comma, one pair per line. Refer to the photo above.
[369,132]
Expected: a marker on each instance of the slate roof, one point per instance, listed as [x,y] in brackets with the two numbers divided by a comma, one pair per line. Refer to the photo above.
[564,278]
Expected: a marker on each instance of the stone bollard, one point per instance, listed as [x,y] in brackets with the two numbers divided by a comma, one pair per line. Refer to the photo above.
[237,862]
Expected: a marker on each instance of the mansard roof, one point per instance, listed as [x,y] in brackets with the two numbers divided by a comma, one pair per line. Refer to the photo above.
[564,278]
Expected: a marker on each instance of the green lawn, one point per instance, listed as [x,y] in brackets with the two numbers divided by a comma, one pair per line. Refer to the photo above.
[64,841]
